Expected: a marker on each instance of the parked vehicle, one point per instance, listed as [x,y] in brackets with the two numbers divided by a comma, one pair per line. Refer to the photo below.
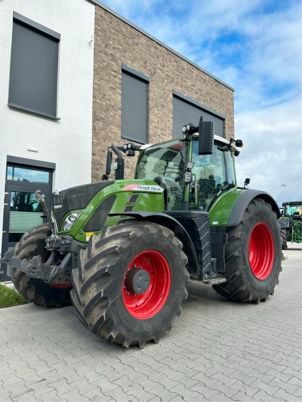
[291,222]
[125,249]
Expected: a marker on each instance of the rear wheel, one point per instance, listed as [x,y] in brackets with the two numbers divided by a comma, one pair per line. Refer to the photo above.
[253,256]
[284,238]
[36,290]
[131,283]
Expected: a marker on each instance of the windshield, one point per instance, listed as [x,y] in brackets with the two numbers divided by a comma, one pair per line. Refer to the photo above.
[291,210]
[165,164]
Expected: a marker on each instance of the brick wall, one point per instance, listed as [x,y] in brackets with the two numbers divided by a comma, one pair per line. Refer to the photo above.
[117,43]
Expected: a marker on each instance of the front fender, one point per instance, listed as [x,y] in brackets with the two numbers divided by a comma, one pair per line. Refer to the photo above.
[171,223]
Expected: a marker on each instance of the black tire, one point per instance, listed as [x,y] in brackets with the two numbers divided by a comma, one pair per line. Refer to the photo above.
[284,238]
[98,282]
[242,283]
[36,290]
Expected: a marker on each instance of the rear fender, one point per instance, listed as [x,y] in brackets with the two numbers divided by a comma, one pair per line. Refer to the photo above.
[243,202]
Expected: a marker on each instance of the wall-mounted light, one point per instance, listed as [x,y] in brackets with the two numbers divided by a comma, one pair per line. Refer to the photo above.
[32,149]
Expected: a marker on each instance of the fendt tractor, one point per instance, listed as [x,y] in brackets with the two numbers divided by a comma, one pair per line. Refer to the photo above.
[123,250]
[291,223]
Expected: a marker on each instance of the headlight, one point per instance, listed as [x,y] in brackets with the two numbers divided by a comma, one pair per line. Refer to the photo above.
[70,220]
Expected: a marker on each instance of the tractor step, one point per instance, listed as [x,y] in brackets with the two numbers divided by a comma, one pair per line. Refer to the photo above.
[214,280]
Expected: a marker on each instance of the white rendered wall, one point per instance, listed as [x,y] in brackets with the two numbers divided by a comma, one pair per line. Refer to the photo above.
[66,142]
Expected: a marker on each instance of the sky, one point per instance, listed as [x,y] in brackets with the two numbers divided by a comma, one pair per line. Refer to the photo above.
[256,47]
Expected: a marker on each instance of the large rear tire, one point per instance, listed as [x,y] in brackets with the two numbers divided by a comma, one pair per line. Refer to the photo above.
[36,290]
[253,256]
[106,286]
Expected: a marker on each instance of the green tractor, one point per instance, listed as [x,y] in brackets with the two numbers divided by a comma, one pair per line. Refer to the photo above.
[123,250]
[291,223]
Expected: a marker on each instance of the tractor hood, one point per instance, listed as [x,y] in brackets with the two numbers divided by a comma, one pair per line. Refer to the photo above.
[75,198]
[84,210]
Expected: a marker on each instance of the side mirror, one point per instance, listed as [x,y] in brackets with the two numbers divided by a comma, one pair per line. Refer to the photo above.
[247,182]
[206,137]
[108,162]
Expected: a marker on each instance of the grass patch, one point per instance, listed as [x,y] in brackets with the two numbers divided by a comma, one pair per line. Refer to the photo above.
[9,297]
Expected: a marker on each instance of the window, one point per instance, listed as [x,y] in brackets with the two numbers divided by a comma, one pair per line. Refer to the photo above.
[212,174]
[24,174]
[185,111]
[134,106]
[34,68]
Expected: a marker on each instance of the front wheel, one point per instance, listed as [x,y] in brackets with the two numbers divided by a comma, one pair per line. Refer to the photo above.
[131,283]
[253,255]
[35,290]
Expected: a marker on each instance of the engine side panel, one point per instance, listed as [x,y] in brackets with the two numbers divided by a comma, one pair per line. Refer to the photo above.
[130,195]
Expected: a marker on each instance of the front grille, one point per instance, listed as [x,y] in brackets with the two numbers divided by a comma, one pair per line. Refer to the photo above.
[75,198]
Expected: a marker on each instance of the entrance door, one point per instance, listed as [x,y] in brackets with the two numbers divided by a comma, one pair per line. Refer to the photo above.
[21,210]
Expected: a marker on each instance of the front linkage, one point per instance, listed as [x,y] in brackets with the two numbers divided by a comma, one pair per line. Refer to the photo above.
[56,269]
[60,254]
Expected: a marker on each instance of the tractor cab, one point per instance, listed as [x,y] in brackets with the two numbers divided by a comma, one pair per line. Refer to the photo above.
[206,177]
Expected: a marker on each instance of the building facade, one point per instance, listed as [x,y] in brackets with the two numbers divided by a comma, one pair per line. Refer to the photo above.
[46,84]
[74,78]
[143,91]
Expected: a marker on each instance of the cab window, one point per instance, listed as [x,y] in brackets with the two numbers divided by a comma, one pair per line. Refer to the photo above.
[211,175]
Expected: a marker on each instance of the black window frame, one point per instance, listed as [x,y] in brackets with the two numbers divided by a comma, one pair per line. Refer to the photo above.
[44,31]
[146,80]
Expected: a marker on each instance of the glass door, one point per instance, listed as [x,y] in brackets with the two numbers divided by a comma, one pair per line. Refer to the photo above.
[24,213]
[21,210]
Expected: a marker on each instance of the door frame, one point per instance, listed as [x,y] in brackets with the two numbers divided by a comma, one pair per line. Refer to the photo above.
[21,186]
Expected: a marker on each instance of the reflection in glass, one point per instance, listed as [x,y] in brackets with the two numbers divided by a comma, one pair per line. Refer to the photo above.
[16,173]
[25,213]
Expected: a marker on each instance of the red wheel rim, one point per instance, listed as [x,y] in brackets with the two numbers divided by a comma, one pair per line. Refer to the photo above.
[261,251]
[148,304]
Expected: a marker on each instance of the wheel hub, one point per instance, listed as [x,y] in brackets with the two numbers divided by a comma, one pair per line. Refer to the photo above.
[147,284]
[137,281]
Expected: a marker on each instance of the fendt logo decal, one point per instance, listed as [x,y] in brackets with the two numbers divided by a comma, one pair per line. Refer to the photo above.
[144,188]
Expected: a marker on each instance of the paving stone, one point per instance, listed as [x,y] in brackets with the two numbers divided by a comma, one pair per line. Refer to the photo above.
[289,388]
[28,397]
[120,395]
[162,393]
[50,397]
[217,351]
[4,397]
[281,394]
[95,396]
[241,397]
